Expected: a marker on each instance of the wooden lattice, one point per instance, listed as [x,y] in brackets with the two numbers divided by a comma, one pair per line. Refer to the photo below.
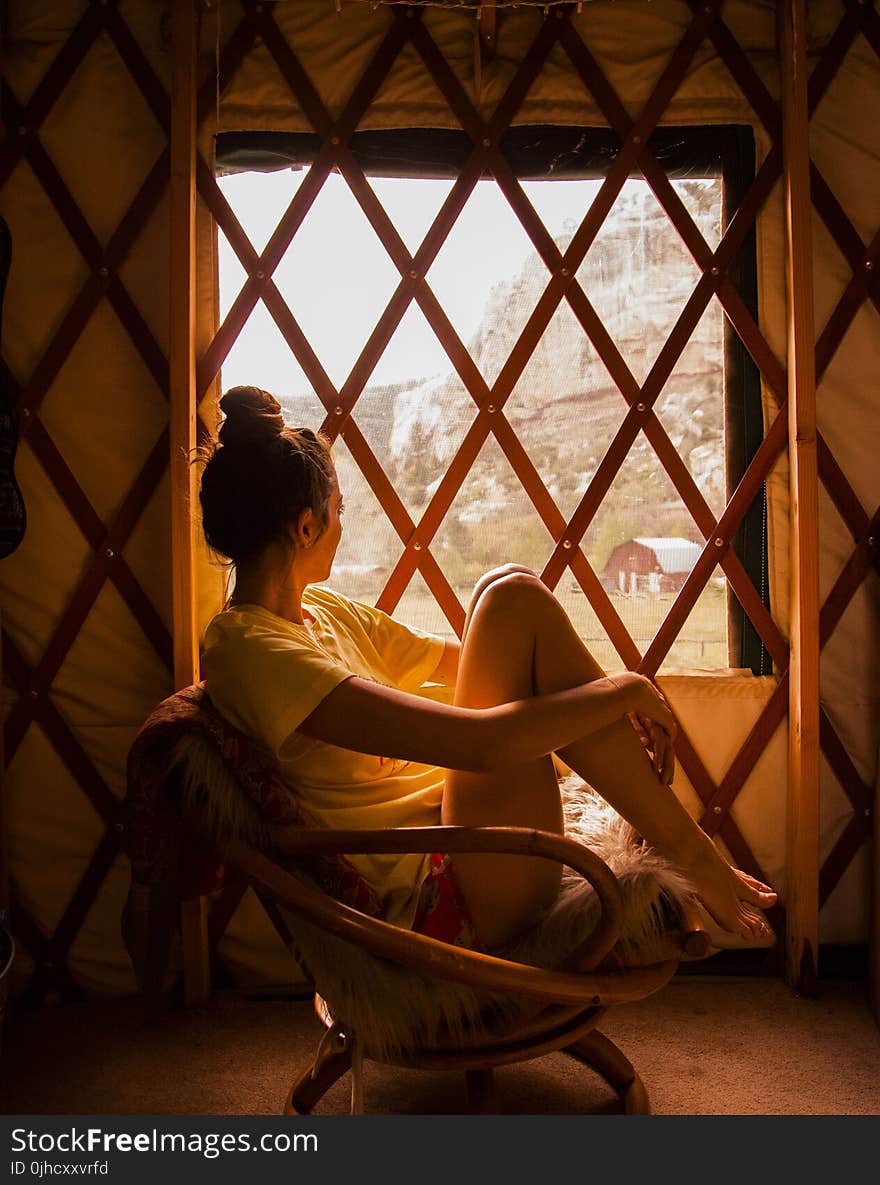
[106,539]
[405,27]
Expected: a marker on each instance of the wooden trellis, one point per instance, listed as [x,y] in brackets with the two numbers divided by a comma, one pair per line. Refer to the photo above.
[404,27]
[106,539]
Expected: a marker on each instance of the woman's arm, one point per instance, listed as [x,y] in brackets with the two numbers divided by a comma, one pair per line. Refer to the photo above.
[370,718]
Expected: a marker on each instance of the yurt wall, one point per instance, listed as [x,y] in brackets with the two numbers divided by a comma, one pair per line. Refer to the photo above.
[103,598]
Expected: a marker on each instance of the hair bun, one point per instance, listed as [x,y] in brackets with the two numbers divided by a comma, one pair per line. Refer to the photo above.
[252,417]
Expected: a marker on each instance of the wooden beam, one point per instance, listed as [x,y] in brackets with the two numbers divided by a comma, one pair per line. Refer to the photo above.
[182,372]
[182,338]
[4,825]
[802,847]
[487,29]
[874,946]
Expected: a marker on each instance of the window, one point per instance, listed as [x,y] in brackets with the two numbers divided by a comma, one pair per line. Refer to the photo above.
[562,408]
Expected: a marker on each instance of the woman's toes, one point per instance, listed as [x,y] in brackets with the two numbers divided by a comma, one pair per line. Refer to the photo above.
[760,932]
[748,931]
[753,928]
[753,920]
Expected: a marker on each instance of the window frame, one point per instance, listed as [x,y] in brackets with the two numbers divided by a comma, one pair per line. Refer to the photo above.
[542,152]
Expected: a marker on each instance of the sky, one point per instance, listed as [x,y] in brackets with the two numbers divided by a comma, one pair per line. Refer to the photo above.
[337,277]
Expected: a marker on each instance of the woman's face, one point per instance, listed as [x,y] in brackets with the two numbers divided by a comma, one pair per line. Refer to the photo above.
[324,548]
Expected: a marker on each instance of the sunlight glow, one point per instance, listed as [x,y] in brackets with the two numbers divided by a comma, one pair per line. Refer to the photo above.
[336,276]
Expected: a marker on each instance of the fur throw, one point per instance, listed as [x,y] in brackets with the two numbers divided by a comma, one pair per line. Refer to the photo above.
[392,1008]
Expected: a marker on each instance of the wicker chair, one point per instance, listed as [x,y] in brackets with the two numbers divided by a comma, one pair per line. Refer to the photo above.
[180,862]
[571,999]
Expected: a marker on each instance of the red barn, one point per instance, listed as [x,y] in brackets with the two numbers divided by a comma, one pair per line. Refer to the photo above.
[650,564]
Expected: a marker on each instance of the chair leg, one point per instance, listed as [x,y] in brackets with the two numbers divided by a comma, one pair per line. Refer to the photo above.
[602,1055]
[357,1078]
[196,952]
[482,1092]
[333,1059]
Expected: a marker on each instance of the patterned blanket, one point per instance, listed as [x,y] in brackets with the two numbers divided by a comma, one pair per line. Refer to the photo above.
[175,848]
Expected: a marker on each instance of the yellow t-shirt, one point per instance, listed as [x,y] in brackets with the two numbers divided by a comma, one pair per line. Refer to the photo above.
[266,675]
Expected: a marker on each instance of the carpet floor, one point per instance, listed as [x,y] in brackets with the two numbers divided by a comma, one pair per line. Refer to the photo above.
[703,1046]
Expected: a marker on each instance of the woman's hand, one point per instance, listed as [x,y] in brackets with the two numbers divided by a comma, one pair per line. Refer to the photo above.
[643,698]
[658,745]
[652,718]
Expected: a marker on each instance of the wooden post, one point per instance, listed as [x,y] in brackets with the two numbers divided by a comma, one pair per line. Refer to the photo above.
[4,826]
[874,941]
[874,945]
[487,31]
[182,343]
[802,847]
[182,268]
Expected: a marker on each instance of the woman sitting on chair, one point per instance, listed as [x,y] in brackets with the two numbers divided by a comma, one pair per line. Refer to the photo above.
[335,689]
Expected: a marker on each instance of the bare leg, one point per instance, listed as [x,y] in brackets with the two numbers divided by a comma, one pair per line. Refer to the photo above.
[519,642]
[504,893]
[489,578]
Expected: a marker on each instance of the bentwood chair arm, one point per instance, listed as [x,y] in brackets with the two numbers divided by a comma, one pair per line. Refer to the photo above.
[444,960]
[495,840]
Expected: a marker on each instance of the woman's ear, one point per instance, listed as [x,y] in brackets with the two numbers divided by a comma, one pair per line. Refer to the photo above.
[306,529]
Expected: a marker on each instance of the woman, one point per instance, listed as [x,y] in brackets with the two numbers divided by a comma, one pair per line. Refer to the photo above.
[336,690]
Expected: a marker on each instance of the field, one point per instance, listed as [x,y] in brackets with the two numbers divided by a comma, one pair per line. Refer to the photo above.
[702,643]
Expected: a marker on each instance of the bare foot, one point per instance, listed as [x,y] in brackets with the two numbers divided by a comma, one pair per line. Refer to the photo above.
[731,897]
[725,940]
